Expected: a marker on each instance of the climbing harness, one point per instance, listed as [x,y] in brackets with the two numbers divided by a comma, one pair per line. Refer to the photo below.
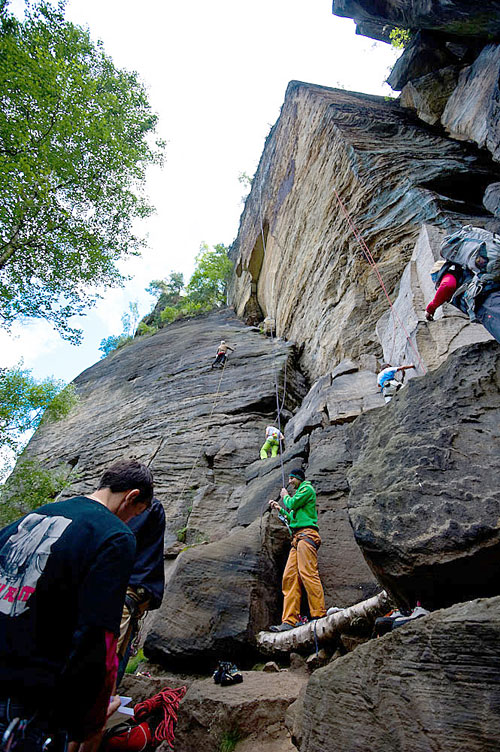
[371,261]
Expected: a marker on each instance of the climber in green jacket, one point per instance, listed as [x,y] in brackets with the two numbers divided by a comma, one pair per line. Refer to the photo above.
[301,568]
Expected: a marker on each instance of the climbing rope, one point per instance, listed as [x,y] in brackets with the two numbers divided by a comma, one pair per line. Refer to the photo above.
[371,261]
[274,318]
[166,704]
[186,483]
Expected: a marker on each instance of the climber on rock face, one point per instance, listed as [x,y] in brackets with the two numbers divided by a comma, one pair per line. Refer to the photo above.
[387,382]
[272,442]
[302,564]
[222,354]
[469,277]
[451,278]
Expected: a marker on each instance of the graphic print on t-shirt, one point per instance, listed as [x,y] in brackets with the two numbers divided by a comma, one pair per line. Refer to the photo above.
[23,557]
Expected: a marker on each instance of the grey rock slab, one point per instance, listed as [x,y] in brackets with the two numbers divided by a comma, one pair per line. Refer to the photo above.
[431,685]
[424,343]
[473,110]
[491,199]
[424,498]
[428,95]
[158,400]
[424,54]
[209,713]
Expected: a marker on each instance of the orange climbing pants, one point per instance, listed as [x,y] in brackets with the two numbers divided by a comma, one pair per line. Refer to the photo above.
[302,569]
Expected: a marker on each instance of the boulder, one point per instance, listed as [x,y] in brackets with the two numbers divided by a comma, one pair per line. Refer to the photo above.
[428,95]
[218,597]
[473,110]
[210,714]
[432,684]
[424,498]
[424,54]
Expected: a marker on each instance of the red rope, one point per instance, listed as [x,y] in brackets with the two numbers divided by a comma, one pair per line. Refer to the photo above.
[166,702]
[368,256]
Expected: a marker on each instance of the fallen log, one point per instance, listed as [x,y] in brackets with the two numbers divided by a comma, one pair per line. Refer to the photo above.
[323,630]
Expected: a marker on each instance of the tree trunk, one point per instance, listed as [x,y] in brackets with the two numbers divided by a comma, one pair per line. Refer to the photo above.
[325,628]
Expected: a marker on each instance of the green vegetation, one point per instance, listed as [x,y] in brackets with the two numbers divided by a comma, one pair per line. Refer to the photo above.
[134,662]
[181,534]
[116,341]
[24,401]
[229,740]
[400,38]
[76,137]
[30,486]
[205,292]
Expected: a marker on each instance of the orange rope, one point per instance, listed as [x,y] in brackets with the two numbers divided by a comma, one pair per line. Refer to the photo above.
[368,256]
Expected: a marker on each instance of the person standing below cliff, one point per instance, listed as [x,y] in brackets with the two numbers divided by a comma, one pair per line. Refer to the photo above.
[221,356]
[272,442]
[387,382]
[64,570]
[146,585]
[301,568]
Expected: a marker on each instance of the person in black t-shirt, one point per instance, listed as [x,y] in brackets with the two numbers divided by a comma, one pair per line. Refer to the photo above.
[146,585]
[64,570]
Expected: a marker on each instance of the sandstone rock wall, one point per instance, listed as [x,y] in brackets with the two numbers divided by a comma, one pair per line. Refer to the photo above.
[424,498]
[391,173]
[430,685]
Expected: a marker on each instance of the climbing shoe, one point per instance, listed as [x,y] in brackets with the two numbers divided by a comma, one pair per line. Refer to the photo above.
[227,673]
[282,627]
[301,621]
[417,612]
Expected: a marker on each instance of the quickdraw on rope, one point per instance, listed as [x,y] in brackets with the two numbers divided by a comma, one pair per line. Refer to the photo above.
[165,704]
[371,261]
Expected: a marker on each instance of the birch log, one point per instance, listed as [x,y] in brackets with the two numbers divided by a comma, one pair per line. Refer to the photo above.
[326,628]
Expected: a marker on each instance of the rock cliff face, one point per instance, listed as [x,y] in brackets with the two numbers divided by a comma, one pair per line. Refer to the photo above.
[449,71]
[391,174]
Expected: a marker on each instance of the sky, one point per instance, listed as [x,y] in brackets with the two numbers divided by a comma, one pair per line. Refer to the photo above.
[216,73]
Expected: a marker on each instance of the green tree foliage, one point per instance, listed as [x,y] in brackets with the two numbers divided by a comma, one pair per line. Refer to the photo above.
[205,291]
[75,141]
[208,284]
[30,486]
[24,401]
[400,37]
[129,322]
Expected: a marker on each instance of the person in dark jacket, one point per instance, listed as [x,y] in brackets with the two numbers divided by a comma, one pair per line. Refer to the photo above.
[64,570]
[147,582]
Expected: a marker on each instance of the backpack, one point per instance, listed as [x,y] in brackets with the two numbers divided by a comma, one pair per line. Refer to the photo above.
[227,673]
[463,247]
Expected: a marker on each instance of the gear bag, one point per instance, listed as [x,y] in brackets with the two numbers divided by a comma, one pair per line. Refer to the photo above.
[463,247]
